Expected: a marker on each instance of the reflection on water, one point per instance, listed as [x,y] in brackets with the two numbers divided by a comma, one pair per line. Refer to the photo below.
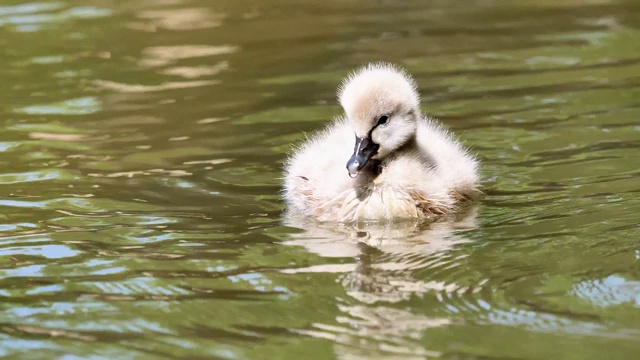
[392,248]
[387,256]
[142,151]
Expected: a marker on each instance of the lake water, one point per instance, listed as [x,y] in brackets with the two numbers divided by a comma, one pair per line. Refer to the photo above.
[142,148]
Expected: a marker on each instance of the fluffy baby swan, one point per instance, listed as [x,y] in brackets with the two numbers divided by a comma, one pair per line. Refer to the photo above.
[403,164]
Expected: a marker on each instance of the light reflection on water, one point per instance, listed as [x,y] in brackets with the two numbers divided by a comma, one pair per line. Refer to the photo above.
[143,143]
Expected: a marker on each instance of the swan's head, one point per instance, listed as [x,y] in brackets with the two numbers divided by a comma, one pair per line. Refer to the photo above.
[381,103]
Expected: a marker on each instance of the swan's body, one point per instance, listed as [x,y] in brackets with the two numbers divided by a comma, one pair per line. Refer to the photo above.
[404,165]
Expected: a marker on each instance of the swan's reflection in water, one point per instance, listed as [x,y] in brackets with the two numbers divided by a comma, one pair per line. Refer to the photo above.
[373,323]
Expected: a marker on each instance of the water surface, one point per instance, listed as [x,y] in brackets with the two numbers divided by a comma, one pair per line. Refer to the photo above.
[142,145]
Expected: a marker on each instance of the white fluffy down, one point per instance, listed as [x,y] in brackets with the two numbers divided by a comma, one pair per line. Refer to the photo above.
[420,178]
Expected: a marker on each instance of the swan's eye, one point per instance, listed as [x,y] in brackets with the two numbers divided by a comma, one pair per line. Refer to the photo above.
[383,120]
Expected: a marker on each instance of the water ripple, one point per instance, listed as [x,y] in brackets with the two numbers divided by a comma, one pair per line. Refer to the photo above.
[142,158]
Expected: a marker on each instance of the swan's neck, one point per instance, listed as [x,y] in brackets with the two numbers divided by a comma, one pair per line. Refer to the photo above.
[408,147]
[376,166]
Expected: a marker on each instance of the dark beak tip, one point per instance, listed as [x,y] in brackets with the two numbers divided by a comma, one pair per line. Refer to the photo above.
[353,165]
[365,148]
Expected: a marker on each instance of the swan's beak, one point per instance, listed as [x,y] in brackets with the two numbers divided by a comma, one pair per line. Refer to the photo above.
[365,148]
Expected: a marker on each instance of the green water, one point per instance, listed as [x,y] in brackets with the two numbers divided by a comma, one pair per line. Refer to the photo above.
[142,144]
